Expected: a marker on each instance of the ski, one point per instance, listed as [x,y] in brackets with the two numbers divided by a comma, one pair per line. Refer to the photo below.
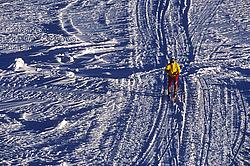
[174,98]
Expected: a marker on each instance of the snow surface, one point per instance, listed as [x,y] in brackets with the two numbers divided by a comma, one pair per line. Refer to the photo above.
[81,82]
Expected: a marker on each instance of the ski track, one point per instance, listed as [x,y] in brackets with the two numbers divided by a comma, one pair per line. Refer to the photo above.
[91,90]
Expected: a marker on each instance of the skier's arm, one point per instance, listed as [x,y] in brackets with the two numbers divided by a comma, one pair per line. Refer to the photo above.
[167,69]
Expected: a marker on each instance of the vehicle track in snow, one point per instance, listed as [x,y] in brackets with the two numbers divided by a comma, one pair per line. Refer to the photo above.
[211,126]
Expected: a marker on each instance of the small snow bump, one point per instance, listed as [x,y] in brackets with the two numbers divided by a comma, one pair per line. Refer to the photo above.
[59,59]
[62,124]
[71,59]
[19,64]
[70,74]
[64,164]
[108,73]
[24,116]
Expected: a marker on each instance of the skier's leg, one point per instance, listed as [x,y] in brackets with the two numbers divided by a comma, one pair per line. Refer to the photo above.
[176,84]
[170,80]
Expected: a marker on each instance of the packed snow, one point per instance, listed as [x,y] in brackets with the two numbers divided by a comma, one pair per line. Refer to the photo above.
[82,82]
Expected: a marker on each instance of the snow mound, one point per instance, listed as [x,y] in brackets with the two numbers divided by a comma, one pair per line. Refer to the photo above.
[62,58]
[25,116]
[65,164]
[20,65]
[70,74]
[62,125]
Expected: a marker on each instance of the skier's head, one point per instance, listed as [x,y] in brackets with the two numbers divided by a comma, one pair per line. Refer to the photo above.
[172,59]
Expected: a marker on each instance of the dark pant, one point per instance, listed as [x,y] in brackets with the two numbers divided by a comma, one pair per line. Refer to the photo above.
[173,80]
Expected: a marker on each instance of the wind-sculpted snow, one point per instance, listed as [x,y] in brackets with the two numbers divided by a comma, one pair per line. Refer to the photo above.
[82,82]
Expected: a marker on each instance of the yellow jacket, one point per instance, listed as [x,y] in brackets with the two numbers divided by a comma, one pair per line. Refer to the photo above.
[173,69]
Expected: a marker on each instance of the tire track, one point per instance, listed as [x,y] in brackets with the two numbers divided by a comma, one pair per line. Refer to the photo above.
[114,136]
[206,137]
[150,22]
[205,14]
[157,128]
[241,128]
[177,125]
[195,33]
[212,99]
[188,115]
[158,135]
[166,149]
[66,21]
[161,11]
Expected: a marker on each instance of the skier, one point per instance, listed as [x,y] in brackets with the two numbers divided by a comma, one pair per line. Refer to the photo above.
[173,70]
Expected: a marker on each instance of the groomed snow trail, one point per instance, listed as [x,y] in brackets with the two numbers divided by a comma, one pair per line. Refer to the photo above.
[81,82]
